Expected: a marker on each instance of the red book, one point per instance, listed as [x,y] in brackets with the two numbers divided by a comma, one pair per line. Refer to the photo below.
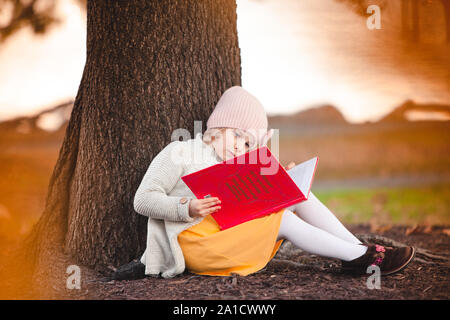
[252,185]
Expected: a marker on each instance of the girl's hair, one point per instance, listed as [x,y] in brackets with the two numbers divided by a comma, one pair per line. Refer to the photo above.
[215,132]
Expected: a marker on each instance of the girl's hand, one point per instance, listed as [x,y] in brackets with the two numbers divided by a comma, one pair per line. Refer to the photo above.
[290,165]
[203,207]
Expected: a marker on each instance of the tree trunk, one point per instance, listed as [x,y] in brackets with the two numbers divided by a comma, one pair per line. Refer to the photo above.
[151,67]
[405,18]
[415,21]
[446,5]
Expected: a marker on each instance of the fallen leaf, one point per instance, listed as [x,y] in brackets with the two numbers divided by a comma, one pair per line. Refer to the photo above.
[428,229]
[374,228]
[384,228]
[416,229]
[411,230]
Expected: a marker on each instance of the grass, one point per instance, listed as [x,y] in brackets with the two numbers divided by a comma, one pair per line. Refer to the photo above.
[397,205]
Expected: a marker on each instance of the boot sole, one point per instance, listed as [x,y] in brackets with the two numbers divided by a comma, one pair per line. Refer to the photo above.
[385,273]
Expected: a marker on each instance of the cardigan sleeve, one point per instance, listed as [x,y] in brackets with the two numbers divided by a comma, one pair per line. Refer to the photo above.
[151,198]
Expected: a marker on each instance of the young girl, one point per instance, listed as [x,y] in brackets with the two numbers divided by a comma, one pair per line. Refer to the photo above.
[182,233]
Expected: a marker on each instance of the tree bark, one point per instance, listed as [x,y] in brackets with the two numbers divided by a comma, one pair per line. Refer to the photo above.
[415,21]
[446,5]
[405,18]
[151,67]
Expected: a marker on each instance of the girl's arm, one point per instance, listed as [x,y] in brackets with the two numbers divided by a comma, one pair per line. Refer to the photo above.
[162,175]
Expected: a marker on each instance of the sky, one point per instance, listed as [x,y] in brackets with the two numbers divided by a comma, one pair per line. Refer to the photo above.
[295,54]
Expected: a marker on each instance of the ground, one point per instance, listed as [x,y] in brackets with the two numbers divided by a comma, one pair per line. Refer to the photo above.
[293,274]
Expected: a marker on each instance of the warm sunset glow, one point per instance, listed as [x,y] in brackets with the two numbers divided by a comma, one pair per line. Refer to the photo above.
[416,115]
[295,55]
[82,182]
[40,72]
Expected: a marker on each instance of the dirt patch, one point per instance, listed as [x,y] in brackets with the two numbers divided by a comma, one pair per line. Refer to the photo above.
[292,274]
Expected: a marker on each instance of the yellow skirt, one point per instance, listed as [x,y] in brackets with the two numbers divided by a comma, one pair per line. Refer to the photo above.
[242,249]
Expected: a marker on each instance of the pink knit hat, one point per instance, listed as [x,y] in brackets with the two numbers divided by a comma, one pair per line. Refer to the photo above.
[239,109]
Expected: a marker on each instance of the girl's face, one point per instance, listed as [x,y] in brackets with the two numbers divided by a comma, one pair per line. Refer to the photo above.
[231,143]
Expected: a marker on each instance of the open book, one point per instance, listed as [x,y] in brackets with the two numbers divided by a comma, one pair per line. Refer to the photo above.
[252,185]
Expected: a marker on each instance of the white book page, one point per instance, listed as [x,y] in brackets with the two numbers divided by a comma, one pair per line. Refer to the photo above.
[302,174]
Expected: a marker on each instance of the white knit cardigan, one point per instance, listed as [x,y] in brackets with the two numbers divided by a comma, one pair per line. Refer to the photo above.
[158,197]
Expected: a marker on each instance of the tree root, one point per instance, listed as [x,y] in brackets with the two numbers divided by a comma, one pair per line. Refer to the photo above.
[424,261]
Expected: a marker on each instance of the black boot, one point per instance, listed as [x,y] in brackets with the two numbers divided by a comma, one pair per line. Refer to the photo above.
[131,271]
[388,259]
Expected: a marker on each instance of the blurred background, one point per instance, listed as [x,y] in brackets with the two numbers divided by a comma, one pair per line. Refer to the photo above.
[373,104]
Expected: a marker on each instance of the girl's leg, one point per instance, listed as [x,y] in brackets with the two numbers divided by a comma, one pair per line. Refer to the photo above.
[317,241]
[317,214]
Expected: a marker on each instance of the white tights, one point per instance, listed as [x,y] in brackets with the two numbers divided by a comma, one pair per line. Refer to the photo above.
[315,229]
